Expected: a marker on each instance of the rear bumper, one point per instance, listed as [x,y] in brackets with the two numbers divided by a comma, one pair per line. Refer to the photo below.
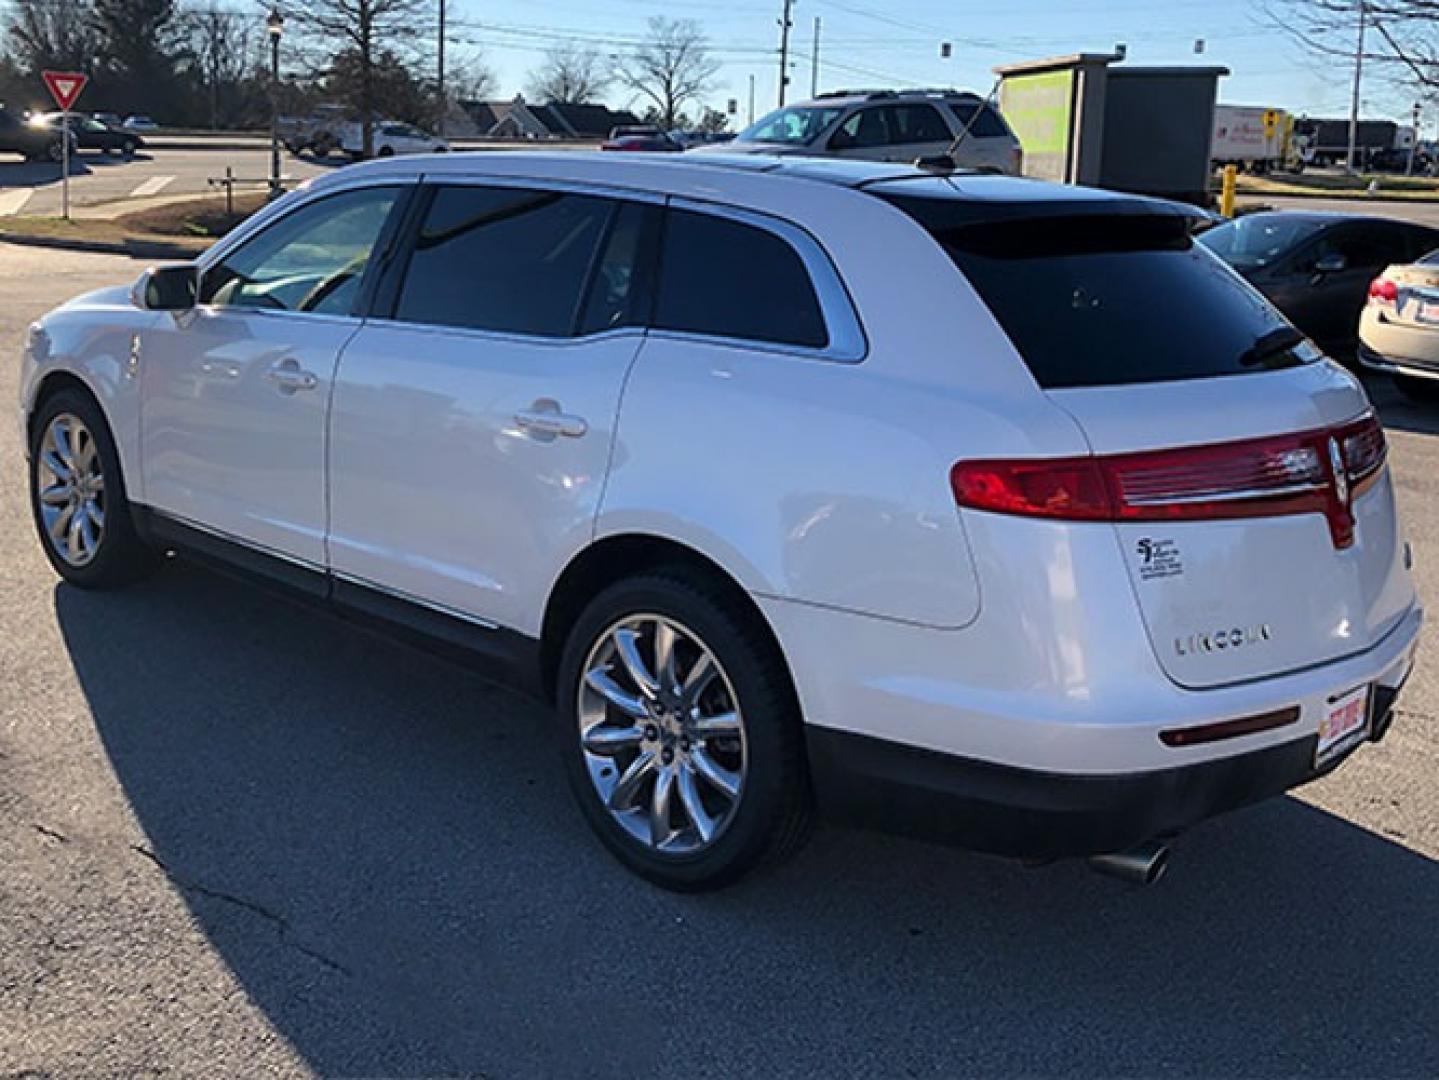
[1032,814]
[1398,349]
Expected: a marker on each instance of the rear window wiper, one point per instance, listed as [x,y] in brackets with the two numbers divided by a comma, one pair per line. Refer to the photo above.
[1279,340]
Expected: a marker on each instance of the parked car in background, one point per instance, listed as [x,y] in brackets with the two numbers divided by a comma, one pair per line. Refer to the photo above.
[36,142]
[1316,267]
[92,134]
[391,137]
[888,125]
[1398,161]
[1399,330]
[319,133]
[656,142]
[988,508]
[140,123]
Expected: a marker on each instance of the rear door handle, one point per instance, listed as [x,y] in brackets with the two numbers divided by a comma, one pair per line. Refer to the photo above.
[545,420]
[289,377]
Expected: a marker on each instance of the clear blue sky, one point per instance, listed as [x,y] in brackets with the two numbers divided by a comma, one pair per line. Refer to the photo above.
[878,43]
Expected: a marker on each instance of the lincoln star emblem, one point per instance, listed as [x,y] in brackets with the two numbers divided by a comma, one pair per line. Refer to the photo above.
[1341,475]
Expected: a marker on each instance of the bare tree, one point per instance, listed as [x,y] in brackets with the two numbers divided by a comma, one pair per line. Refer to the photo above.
[42,34]
[223,48]
[367,30]
[1402,43]
[672,68]
[569,75]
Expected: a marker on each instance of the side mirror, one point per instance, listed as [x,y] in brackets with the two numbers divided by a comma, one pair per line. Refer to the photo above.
[175,287]
[1331,262]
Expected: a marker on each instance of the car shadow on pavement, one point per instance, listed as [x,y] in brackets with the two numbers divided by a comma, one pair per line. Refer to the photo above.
[381,847]
[1399,412]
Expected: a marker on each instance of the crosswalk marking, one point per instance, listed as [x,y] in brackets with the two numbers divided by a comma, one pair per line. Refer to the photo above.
[152,186]
[12,202]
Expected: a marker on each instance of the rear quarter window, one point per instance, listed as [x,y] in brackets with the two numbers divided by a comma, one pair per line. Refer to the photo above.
[1108,300]
[725,278]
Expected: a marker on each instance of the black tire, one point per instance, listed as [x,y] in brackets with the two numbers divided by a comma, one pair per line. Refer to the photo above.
[386,151]
[771,816]
[128,148]
[121,556]
[55,152]
[1417,389]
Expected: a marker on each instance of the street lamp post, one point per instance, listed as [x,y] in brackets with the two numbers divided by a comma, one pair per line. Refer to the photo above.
[1414,144]
[275,24]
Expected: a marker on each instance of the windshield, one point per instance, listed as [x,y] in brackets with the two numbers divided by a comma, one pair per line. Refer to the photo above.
[793,126]
[1257,240]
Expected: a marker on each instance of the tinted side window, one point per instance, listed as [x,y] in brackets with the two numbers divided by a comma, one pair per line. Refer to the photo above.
[504,259]
[987,125]
[623,287]
[729,279]
[311,260]
[863,129]
[917,124]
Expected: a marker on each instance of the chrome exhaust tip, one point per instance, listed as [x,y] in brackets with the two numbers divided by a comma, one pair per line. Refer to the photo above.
[1142,865]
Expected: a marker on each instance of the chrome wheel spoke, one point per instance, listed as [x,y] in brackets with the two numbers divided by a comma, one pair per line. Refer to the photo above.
[85,453]
[73,543]
[700,675]
[55,495]
[599,680]
[87,533]
[660,807]
[95,514]
[60,435]
[627,644]
[623,796]
[97,482]
[608,741]
[61,524]
[62,472]
[665,655]
[721,779]
[705,824]
[707,727]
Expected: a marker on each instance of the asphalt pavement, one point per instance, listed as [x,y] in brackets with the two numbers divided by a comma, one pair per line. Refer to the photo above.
[238,837]
[95,178]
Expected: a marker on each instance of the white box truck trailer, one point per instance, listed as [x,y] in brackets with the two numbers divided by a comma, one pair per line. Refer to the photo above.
[1257,139]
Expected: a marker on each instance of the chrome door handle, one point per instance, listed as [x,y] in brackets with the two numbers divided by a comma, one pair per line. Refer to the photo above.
[545,420]
[289,377]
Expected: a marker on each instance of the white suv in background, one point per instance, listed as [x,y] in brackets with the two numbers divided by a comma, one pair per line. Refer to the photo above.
[887,125]
[991,509]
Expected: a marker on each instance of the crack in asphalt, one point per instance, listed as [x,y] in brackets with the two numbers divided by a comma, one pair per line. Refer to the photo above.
[53,834]
[278,921]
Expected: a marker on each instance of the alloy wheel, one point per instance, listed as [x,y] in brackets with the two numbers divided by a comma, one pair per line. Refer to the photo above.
[70,490]
[662,734]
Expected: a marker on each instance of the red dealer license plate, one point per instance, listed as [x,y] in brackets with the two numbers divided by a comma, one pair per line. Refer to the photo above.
[1346,722]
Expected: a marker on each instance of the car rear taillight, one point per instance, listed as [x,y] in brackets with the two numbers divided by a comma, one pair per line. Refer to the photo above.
[1310,472]
[1383,291]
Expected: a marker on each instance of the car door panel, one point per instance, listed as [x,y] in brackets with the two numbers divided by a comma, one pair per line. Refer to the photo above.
[472,428]
[235,391]
[442,490]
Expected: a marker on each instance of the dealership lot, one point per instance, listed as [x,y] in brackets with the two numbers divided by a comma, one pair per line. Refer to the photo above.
[240,836]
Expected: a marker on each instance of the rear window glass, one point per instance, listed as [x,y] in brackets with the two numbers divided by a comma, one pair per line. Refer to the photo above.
[1106,300]
[987,125]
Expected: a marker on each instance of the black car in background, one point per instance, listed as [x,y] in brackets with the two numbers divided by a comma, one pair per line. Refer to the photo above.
[94,134]
[1316,267]
[36,142]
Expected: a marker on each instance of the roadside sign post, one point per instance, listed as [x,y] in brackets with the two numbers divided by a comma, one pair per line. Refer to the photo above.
[65,87]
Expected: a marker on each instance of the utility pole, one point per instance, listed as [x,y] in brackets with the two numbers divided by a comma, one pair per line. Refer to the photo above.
[814,63]
[1414,144]
[751,98]
[784,25]
[1354,101]
[444,101]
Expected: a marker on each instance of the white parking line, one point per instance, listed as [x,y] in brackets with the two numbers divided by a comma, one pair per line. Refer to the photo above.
[12,202]
[152,186]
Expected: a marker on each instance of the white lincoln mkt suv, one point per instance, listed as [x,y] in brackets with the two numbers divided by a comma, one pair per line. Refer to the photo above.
[964,504]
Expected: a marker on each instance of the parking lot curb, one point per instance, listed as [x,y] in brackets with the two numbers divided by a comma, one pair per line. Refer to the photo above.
[139,249]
